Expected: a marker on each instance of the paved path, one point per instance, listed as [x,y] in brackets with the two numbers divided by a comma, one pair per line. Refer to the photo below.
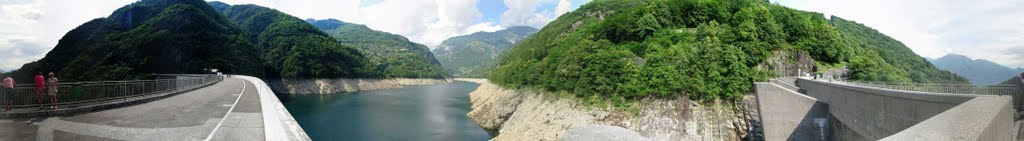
[193,115]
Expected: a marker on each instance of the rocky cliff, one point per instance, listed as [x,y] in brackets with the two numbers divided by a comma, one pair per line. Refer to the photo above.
[527,115]
[337,85]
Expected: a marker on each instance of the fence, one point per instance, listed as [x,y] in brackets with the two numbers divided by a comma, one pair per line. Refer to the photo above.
[1000,89]
[1012,90]
[73,93]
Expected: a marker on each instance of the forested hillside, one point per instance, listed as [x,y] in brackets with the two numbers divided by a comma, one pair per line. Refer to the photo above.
[700,48]
[878,57]
[391,55]
[149,36]
[292,48]
[475,54]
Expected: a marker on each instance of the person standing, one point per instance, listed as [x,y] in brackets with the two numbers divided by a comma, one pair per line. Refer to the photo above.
[8,85]
[52,82]
[40,84]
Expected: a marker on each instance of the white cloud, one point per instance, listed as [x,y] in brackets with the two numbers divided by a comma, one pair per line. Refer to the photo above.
[21,15]
[30,28]
[979,29]
[486,27]
[562,7]
[537,13]
[525,12]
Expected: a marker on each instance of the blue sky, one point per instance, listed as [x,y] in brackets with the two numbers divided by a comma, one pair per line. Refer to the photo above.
[492,10]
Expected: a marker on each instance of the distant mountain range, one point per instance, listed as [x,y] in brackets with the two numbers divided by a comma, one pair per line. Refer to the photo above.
[475,54]
[978,71]
[393,55]
[187,36]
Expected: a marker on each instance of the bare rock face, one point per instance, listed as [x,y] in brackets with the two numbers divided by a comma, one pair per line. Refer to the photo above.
[495,104]
[789,63]
[603,133]
[543,118]
[337,85]
[526,115]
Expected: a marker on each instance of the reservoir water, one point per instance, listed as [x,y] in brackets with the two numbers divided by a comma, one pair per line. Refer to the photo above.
[435,113]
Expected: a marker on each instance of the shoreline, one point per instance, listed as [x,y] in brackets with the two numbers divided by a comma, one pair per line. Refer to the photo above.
[340,85]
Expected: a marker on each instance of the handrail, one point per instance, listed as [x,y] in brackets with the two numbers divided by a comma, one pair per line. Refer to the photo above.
[73,93]
[1001,89]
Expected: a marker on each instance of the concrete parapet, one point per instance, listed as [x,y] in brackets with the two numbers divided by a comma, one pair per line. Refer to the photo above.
[789,115]
[986,118]
[887,114]
[278,123]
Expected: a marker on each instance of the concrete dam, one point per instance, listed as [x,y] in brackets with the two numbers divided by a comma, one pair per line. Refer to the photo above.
[806,109]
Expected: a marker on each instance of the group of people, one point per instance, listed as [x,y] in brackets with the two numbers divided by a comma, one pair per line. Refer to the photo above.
[42,84]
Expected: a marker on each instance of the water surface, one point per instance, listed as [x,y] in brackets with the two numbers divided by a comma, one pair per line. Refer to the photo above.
[412,113]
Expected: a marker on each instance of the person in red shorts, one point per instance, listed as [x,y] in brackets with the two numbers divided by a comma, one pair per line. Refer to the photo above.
[40,84]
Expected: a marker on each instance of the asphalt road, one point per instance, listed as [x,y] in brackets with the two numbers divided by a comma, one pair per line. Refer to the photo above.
[192,115]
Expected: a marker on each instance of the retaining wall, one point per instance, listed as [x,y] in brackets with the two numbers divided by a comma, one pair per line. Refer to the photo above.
[789,115]
[886,114]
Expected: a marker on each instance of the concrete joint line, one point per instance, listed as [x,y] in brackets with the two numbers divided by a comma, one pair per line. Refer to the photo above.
[215,128]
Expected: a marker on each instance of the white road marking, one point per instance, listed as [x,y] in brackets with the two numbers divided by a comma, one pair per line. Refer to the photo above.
[215,128]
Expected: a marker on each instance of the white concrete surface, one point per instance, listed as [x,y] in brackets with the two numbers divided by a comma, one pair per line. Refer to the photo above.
[278,123]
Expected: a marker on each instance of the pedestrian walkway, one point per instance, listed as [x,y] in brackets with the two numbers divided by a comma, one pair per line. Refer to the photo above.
[194,115]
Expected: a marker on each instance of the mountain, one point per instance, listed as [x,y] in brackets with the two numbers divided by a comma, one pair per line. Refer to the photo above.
[878,57]
[187,36]
[392,55]
[474,54]
[149,36]
[697,48]
[292,48]
[978,71]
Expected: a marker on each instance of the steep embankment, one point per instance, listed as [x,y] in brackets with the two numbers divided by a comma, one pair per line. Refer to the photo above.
[528,115]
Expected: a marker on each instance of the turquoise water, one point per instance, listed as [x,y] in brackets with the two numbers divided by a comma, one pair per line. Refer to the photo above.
[412,113]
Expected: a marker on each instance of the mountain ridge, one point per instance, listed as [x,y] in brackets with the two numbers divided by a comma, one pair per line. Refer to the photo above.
[149,36]
[474,54]
[293,48]
[393,55]
[978,71]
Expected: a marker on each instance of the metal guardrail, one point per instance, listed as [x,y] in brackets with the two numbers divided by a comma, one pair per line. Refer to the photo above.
[1012,90]
[941,88]
[73,93]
